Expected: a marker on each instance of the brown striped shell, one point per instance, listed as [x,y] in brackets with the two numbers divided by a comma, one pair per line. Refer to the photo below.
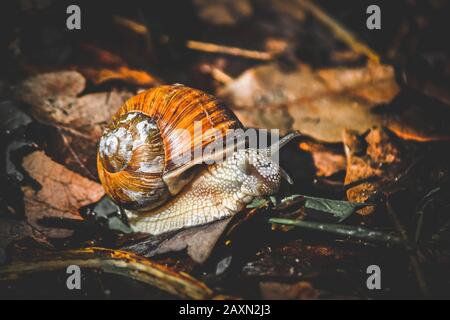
[136,153]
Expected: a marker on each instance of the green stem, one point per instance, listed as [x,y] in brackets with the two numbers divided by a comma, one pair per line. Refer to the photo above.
[342,230]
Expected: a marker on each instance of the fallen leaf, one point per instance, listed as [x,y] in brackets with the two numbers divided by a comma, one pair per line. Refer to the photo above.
[63,192]
[413,116]
[326,160]
[198,241]
[107,214]
[372,161]
[38,89]
[323,208]
[54,98]
[130,76]
[339,209]
[81,120]
[15,230]
[284,291]
[101,56]
[322,103]
[319,103]
[223,12]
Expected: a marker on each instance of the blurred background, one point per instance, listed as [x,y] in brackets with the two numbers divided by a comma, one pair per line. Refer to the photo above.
[373,107]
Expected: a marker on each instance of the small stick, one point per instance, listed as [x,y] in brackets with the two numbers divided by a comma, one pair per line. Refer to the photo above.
[136,27]
[216,48]
[220,76]
[339,30]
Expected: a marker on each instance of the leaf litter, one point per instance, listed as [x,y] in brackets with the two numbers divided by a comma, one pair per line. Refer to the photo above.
[366,138]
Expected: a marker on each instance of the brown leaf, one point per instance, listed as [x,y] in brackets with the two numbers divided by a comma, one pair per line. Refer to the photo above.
[41,88]
[318,103]
[63,192]
[53,97]
[199,242]
[90,111]
[100,56]
[325,102]
[326,160]
[15,230]
[223,12]
[375,83]
[374,160]
[130,76]
[283,291]
[81,119]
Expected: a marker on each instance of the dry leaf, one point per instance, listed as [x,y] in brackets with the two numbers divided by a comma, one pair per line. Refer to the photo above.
[63,192]
[53,97]
[43,88]
[130,76]
[14,230]
[54,101]
[320,104]
[199,242]
[325,102]
[326,161]
[375,159]
[223,12]
[101,56]
[283,291]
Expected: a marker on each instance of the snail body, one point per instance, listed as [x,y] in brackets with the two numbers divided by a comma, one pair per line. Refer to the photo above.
[143,167]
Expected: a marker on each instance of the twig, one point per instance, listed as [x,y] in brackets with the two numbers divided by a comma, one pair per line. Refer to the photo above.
[412,252]
[220,76]
[132,25]
[339,30]
[115,262]
[420,212]
[216,48]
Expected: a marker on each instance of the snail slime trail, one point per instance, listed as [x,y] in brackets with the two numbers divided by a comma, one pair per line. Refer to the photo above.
[162,160]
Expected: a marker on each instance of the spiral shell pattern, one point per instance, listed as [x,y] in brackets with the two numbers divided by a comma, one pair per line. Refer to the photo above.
[138,148]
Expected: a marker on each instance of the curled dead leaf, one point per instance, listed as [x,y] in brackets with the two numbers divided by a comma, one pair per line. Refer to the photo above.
[326,160]
[373,160]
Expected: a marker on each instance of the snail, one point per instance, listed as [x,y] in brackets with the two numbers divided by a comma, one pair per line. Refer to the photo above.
[140,167]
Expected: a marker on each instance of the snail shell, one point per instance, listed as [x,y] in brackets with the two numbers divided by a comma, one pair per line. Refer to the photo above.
[136,153]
